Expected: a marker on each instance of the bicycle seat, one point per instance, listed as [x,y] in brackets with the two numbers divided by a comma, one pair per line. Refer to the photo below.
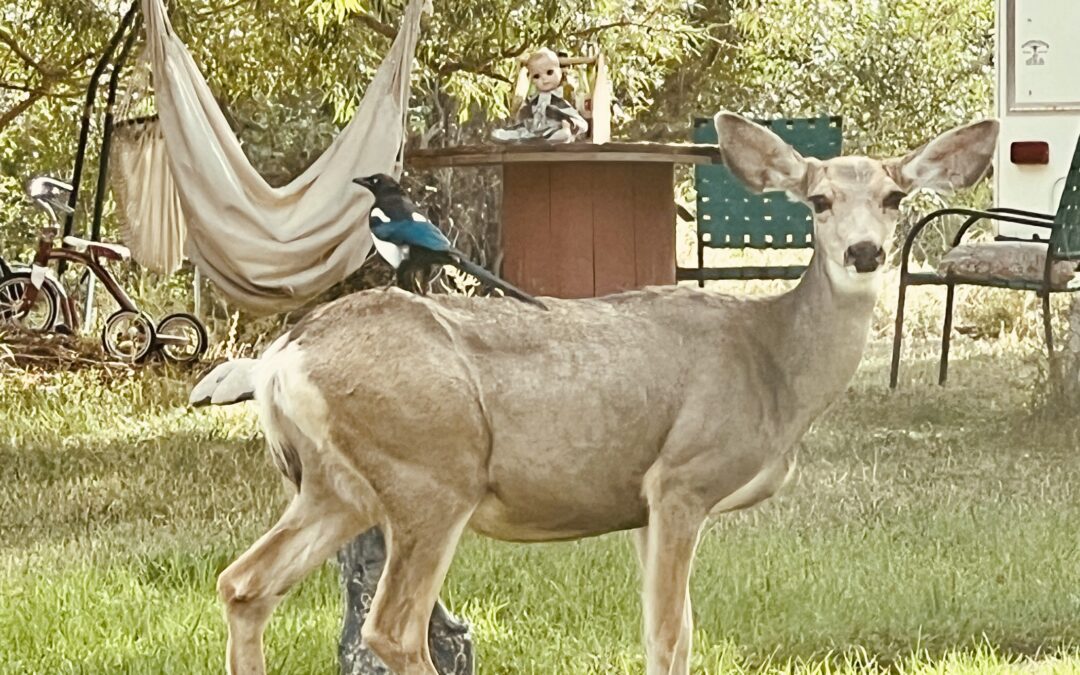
[98,249]
[51,192]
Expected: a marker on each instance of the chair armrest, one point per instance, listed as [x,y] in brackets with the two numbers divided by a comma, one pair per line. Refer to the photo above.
[973,215]
[1025,214]
[1002,212]
[1023,240]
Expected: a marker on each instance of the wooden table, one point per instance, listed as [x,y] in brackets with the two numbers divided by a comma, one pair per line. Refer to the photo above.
[579,219]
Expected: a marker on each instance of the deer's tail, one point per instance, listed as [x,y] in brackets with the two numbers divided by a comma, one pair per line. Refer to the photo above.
[231,382]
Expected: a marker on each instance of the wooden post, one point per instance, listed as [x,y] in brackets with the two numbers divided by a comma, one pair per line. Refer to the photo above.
[601,103]
[361,565]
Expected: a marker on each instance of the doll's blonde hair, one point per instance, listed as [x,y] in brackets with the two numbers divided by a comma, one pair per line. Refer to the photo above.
[541,56]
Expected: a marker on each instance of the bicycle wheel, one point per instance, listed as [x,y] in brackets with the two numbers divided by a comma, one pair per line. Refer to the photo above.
[129,336]
[41,316]
[182,337]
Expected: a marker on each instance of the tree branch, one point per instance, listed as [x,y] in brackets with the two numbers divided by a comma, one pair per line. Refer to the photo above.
[50,77]
[593,30]
[483,65]
[15,86]
[46,89]
[377,26]
[19,108]
[209,13]
[14,46]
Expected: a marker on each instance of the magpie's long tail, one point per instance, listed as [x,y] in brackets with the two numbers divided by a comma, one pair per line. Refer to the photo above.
[459,261]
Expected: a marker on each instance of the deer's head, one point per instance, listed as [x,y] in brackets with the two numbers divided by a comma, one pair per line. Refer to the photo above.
[855,200]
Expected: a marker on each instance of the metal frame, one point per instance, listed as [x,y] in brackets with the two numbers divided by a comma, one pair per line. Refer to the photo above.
[908,278]
[128,27]
[99,271]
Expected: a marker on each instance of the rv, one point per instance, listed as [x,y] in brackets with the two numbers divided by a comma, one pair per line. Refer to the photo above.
[1038,103]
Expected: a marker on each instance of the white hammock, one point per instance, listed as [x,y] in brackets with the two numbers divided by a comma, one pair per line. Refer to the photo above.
[152,222]
[272,248]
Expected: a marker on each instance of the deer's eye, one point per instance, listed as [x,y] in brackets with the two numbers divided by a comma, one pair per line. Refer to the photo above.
[892,201]
[821,203]
[551,72]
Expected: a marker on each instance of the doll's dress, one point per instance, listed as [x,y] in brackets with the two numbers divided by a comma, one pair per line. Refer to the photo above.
[541,117]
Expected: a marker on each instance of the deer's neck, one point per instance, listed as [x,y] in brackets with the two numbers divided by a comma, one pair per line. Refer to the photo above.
[821,327]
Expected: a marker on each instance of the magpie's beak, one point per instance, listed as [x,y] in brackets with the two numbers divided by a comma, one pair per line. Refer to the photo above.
[362,182]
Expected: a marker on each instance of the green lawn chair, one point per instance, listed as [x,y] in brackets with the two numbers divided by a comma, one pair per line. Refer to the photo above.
[730,216]
[997,264]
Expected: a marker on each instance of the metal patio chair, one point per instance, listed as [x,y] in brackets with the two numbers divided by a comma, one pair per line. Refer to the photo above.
[730,216]
[1060,235]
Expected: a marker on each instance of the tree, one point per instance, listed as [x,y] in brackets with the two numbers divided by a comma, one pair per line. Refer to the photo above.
[898,70]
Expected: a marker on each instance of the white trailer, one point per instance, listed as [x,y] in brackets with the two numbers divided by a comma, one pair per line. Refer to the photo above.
[1038,103]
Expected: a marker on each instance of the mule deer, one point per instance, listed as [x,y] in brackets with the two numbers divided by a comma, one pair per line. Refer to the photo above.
[429,415]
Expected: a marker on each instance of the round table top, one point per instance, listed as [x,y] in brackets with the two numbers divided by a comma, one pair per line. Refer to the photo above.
[617,151]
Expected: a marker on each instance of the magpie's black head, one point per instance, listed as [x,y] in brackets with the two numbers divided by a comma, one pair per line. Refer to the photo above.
[379,184]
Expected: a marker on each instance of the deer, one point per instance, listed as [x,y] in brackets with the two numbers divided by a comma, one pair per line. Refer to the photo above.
[425,416]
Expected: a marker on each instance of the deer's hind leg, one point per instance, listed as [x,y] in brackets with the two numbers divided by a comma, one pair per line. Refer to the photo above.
[314,526]
[421,532]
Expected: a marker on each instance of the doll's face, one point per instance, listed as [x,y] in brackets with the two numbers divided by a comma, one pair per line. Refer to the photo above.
[545,73]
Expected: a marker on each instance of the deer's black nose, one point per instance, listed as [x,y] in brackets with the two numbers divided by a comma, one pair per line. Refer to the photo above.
[865,256]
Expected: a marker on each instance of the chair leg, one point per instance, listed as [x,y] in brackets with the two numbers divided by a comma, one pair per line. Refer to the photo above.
[1049,329]
[700,263]
[946,333]
[898,334]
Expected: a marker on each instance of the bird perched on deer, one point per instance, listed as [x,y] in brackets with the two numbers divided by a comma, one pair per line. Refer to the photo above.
[406,239]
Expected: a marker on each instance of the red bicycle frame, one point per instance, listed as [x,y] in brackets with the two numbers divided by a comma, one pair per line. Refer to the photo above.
[47,252]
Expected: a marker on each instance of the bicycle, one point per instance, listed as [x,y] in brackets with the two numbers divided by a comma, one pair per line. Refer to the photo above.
[34,298]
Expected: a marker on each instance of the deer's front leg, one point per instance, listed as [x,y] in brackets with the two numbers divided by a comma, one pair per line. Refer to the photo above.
[667,546]
[681,661]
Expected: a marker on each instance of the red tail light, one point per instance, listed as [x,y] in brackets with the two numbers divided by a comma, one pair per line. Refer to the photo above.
[1030,152]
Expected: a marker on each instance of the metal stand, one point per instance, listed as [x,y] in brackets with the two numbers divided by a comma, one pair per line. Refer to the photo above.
[88,306]
[197,289]
[361,565]
[126,28]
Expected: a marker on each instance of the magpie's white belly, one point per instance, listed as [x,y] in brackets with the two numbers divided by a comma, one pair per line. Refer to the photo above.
[392,253]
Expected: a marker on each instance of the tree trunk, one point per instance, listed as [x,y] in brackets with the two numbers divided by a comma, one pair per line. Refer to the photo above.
[361,565]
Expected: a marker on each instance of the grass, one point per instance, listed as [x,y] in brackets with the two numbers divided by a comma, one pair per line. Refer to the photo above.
[928,531]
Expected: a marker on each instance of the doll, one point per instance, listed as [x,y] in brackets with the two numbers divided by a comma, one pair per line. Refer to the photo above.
[545,116]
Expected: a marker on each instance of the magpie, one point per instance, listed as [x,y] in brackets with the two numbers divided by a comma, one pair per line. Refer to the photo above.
[406,239]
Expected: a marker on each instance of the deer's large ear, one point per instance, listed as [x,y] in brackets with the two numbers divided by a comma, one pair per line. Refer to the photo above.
[758,157]
[955,159]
